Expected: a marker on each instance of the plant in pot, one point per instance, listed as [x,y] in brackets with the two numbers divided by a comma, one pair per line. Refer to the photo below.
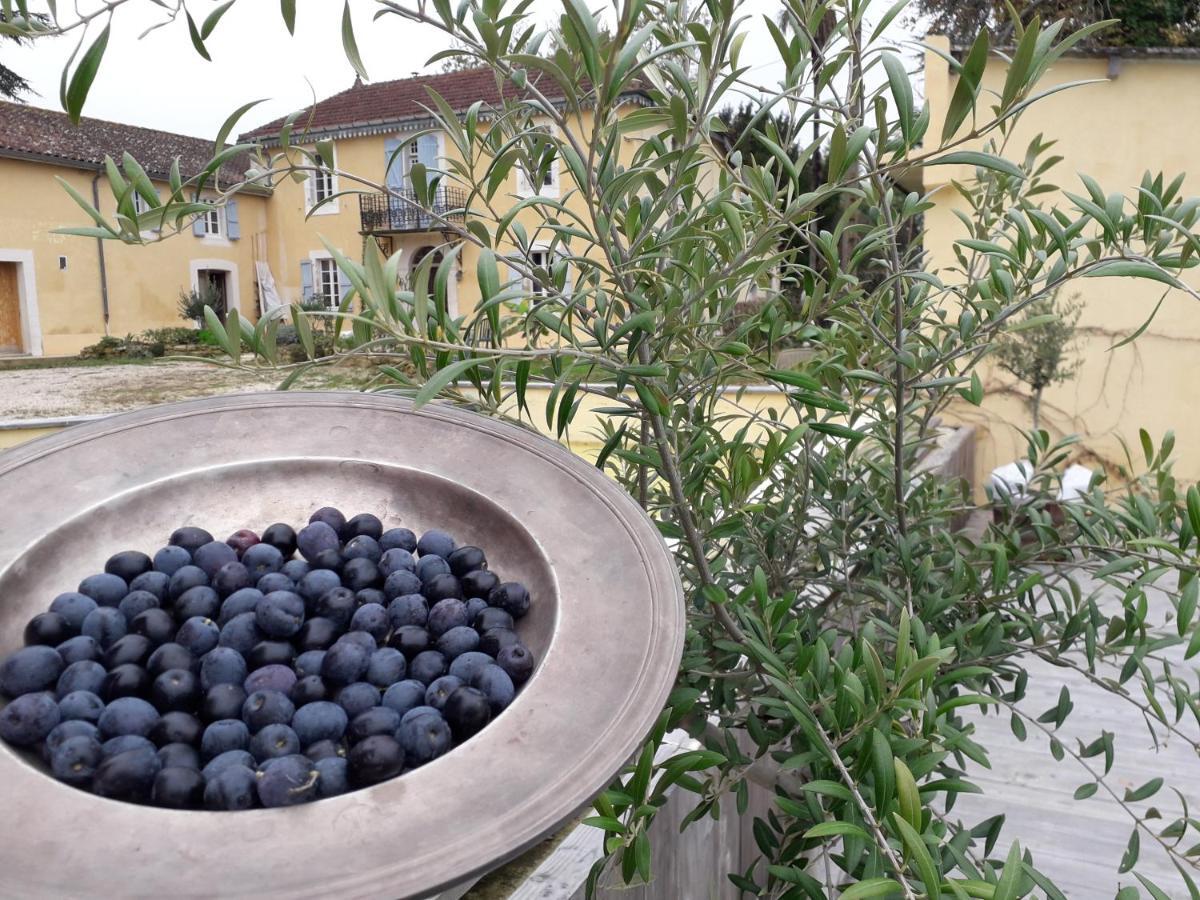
[192,303]
[1039,348]
[1039,351]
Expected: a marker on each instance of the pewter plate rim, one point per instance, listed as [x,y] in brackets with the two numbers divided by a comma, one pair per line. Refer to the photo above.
[551,771]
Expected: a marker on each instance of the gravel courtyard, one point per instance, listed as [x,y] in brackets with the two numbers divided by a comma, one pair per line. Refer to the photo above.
[90,390]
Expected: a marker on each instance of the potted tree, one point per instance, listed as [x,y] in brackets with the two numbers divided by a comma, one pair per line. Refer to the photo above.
[1039,350]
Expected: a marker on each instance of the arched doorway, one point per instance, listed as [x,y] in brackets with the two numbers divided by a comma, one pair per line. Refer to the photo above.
[419,257]
[439,256]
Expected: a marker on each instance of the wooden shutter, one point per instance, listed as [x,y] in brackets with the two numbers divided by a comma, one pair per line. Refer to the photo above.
[232,225]
[393,164]
[306,279]
[427,151]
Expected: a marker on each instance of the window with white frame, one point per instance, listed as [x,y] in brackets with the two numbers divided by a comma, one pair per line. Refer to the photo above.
[538,259]
[213,222]
[548,176]
[401,157]
[323,183]
[141,207]
[322,186]
[328,284]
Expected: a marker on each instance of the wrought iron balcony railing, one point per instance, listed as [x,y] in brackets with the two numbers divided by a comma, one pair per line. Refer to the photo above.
[401,211]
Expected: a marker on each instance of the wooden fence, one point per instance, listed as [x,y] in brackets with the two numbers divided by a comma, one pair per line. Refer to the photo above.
[685,865]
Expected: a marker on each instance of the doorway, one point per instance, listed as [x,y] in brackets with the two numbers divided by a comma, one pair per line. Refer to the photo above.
[214,287]
[217,280]
[419,257]
[439,257]
[11,339]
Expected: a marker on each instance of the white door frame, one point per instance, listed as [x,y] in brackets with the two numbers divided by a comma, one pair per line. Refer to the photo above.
[233,299]
[31,323]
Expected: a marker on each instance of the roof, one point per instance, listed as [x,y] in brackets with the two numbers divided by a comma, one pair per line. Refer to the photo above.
[1177,53]
[29,132]
[391,103]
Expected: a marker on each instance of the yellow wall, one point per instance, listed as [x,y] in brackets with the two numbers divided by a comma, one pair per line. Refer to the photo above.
[143,282]
[16,436]
[584,435]
[1148,117]
[293,239]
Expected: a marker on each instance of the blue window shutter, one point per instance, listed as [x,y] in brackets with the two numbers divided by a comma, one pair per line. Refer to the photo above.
[306,279]
[395,171]
[427,150]
[343,285]
[231,220]
[198,226]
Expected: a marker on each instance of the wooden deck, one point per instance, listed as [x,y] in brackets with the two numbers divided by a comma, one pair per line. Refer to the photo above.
[1079,844]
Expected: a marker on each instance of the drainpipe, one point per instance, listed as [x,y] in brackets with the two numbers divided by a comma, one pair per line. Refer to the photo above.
[100,253]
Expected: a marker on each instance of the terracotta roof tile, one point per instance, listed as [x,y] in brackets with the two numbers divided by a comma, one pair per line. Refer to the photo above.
[394,101]
[32,131]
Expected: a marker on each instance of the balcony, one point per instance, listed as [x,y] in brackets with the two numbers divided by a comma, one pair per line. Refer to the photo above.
[399,211]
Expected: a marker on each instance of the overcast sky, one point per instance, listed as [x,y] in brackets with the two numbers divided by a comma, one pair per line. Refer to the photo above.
[161,82]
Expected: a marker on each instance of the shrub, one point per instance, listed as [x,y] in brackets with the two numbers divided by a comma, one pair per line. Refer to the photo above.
[128,347]
[206,338]
[171,337]
[191,303]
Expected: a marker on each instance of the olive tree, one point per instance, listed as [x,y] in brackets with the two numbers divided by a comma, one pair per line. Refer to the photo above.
[1037,351]
[842,636]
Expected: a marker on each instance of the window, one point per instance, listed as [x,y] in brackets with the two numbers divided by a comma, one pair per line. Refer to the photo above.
[212,222]
[321,185]
[328,286]
[400,157]
[219,222]
[141,208]
[419,257]
[549,186]
[519,268]
[549,176]
[538,259]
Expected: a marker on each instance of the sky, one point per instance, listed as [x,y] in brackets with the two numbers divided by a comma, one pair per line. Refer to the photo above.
[159,81]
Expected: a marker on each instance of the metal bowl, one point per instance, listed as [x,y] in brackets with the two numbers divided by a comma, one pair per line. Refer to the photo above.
[607,627]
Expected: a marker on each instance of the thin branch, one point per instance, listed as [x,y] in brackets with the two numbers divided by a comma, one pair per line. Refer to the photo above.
[868,814]
[1139,821]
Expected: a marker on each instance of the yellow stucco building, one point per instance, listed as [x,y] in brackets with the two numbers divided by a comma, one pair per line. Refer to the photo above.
[1142,113]
[372,129]
[59,293]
